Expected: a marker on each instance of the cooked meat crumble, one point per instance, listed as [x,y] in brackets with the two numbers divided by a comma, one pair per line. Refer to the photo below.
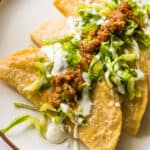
[65,84]
[116,24]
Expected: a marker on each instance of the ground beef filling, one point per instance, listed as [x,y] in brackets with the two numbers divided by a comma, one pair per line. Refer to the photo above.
[65,86]
[116,25]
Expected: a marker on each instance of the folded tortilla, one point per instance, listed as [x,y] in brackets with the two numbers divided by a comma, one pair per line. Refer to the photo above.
[70,7]
[102,131]
[18,71]
[146,55]
[49,29]
[133,111]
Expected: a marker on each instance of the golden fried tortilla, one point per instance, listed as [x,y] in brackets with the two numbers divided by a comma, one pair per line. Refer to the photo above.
[102,131]
[146,54]
[132,120]
[133,110]
[49,29]
[70,7]
[104,125]
[18,71]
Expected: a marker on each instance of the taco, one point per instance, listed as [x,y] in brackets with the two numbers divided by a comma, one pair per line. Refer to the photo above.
[133,111]
[102,131]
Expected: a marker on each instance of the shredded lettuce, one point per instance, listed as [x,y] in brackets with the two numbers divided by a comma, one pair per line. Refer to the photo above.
[143,38]
[146,7]
[88,28]
[45,68]
[95,11]
[36,85]
[47,107]
[41,67]
[63,96]
[59,118]
[43,80]
[21,105]
[111,62]
[60,39]
[68,112]
[127,58]
[137,9]
[40,126]
[15,122]
[95,71]
[131,88]
[73,56]
[130,28]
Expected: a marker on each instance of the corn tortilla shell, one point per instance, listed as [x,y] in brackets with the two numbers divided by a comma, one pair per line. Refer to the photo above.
[70,7]
[133,110]
[104,124]
[18,71]
[132,121]
[49,29]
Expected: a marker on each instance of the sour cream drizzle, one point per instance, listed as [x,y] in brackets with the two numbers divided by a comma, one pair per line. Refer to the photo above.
[56,133]
[85,102]
[56,54]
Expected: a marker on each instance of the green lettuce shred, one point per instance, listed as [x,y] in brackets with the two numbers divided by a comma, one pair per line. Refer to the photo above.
[59,39]
[21,105]
[40,126]
[95,71]
[88,28]
[37,84]
[73,56]
[68,112]
[88,12]
[130,28]
[47,107]
[143,38]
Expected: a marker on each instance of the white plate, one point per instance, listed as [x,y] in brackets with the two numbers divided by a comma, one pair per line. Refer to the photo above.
[17,19]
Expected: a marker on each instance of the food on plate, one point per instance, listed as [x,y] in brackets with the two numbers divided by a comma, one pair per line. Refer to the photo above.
[133,111]
[135,108]
[19,70]
[68,8]
[88,68]
[52,28]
